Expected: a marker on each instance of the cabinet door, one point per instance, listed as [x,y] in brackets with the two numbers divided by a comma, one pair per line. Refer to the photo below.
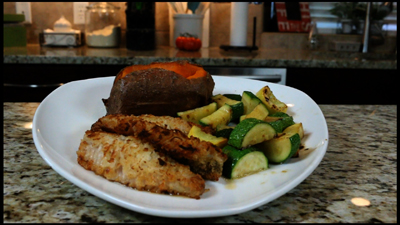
[345,86]
[33,82]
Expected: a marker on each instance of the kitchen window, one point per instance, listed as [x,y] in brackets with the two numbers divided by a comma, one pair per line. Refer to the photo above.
[326,22]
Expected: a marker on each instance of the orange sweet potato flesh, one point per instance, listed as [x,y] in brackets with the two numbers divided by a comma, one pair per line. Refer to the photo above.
[183,68]
[160,89]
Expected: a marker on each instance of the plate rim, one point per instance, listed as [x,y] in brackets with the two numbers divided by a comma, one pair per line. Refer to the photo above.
[165,213]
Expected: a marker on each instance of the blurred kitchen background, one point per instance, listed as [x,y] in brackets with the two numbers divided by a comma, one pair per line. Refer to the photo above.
[315,47]
[45,14]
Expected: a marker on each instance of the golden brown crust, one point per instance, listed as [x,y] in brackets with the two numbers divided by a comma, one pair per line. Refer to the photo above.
[127,160]
[175,123]
[202,157]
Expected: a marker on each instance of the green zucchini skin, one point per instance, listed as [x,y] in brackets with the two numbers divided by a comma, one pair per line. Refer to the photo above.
[279,150]
[243,162]
[250,101]
[255,129]
[237,106]
[237,111]
[279,114]
[236,97]
[226,132]
[282,123]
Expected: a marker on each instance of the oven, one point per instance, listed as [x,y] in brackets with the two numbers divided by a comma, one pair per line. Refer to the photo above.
[33,82]
[273,75]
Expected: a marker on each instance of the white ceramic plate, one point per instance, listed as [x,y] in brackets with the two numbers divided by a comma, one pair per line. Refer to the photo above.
[62,118]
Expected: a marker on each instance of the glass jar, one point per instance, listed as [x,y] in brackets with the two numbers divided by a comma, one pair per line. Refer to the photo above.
[102,25]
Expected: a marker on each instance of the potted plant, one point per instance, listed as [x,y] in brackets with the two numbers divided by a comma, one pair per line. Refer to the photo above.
[377,13]
[349,14]
[352,14]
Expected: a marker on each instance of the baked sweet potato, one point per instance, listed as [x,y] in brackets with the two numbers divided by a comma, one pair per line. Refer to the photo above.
[160,89]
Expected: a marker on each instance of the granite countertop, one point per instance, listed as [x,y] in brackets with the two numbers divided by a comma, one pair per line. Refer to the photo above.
[213,56]
[361,161]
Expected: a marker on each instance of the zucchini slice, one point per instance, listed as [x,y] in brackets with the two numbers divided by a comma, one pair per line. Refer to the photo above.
[196,131]
[236,97]
[279,114]
[280,123]
[251,131]
[222,116]
[223,131]
[241,163]
[250,101]
[259,112]
[281,148]
[296,128]
[237,106]
[222,100]
[268,98]
[194,115]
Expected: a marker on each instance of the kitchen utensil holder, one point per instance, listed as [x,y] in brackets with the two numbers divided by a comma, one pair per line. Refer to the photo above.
[188,23]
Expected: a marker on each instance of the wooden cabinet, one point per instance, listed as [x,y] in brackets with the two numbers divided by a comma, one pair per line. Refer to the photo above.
[33,82]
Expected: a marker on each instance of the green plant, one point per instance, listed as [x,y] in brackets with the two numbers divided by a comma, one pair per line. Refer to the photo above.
[378,12]
[357,11]
[344,10]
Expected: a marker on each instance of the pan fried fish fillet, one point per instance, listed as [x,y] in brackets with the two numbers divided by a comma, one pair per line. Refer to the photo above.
[129,161]
[202,157]
[168,122]
[174,123]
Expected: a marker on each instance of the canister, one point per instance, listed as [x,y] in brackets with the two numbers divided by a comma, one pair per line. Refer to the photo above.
[102,25]
[14,31]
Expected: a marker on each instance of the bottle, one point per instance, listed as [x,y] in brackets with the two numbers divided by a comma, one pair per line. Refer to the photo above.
[270,18]
[140,25]
[313,36]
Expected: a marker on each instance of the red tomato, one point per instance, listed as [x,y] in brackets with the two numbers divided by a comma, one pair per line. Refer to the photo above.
[188,43]
[180,42]
[197,44]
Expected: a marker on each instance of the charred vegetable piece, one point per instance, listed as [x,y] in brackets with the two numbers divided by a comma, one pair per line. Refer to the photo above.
[237,106]
[259,112]
[194,115]
[279,123]
[273,104]
[203,136]
[222,116]
[282,148]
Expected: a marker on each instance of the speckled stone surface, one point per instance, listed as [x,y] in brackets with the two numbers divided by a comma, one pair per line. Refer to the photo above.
[214,56]
[361,161]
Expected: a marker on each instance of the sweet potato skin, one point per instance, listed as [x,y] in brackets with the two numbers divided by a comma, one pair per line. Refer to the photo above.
[159,92]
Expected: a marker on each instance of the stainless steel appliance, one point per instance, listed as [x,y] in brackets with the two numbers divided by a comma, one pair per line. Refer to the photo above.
[274,75]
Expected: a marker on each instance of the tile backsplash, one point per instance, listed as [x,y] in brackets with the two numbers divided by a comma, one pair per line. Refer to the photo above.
[44,14]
